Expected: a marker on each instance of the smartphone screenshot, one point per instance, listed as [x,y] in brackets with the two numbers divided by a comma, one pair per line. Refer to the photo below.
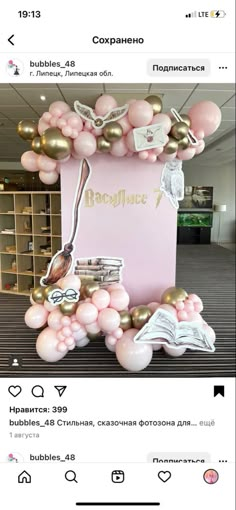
[117,255]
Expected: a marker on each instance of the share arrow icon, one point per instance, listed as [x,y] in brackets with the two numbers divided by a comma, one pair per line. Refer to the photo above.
[60,390]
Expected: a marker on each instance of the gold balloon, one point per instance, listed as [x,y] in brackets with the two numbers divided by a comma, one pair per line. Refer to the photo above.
[172,295]
[179,130]
[68,308]
[186,119]
[55,145]
[36,145]
[171,146]
[183,144]
[87,289]
[102,144]
[94,336]
[125,320]
[27,129]
[47,290]
[140,315]
[38,295]
[156,103]
[113,131]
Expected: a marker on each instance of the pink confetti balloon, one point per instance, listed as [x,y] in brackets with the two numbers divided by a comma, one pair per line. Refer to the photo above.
[46,346]
[46,164]
[58,108]
[133,356]
[205,116]
[36,316]
[164,120]
[140,113]
[71,281]
[48,177]
[29,161]
[105,104]
[85,144]
[86,313]
[101,299]
[119,299]
[108,320]
[54,320]
[175,353]
[119,148]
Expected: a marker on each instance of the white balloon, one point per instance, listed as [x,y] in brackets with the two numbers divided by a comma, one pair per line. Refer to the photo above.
[82,342]
[131,355]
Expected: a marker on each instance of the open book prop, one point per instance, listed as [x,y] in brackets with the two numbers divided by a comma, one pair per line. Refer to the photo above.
[164,329]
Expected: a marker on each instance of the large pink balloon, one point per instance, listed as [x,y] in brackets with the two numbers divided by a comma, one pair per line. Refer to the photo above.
[140,113]
[85,144]
[119,148]
[101,299]
[36,316]
[164,120]
[119,299]
[58,108]
[48,177]
[46,164]
[29,161]
[46,346]
[133,356]
[70,281]
[187,154]
[205,116]
[54,320]
[105,104]
[108,320]
[86,313]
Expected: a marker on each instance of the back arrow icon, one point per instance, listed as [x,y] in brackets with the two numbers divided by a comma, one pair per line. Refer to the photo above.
[10,39]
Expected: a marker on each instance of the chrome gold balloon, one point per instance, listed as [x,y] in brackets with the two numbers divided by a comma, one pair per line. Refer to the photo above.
[102,144]
[36,145]
[68,308]
[112,131]
[87,289]
[38,295]
[186,119]
[183,144]
[27,129]
[171,147]
[179,130]
[55,145]
[125,320]
[172,295]
[140,315]
[155,102]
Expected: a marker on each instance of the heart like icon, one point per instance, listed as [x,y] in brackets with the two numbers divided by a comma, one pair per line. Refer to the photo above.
[15,390]
[164,476]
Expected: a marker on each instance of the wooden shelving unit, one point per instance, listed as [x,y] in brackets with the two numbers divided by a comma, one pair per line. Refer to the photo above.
[30,222]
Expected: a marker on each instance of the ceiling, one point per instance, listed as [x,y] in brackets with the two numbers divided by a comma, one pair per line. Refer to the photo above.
[22,101]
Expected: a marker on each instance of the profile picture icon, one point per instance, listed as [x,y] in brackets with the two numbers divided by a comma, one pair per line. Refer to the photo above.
[211,476]
[14,67]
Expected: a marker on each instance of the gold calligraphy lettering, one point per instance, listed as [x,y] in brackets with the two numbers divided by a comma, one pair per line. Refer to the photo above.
[158,197]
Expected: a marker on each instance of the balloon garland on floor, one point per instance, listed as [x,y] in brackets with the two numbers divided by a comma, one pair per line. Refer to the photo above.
[104,313]
[62,134]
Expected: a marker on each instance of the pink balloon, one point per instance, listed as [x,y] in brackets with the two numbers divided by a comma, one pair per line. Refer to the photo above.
[46,117]
[75,326]
[48,177]
[65,321]
[158,150]
[73,120]
[119,299]
[152,158]
[133,356]
[153,306]
[58,108]
[46,164]
[210,331]
[179,306]
[157,347]
[93,328]
[199,134]
[67,131]
[119,148]
[130,141]
[175,353]
[111,340]
[194,317]
[143,155]
[79,334]
[85,144]
[54,320]
[169,308]
[187,154]
[62,348]
[29,161]
[110,347]
[61,123]
[88,125]
[46,346]
[82,342]
[140,113]
[66,331]
[164,158]
[164,120]
[53,121]
[131,101]
[71,281]
[108,320]
[200,147]
[118,333]
[36,316]
[97,132]
[105,104]
[115,286]
[86,313]
[101,299]
[49,307]
[42,126]
[205,116]
[125,124]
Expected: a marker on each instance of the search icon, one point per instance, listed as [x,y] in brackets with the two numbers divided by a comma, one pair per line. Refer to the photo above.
[70,476]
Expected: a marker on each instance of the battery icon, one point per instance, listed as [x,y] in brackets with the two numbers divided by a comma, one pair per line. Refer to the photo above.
[217,14]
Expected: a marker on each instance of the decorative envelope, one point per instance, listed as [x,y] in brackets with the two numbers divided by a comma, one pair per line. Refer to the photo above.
[149,137]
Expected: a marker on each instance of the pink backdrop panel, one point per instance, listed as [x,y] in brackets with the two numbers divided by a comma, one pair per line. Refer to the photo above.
[143,233]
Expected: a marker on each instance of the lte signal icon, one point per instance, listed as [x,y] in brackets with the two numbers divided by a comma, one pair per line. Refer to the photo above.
[191,15]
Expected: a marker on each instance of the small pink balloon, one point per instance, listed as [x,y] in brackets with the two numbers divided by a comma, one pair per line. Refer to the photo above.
[69,341]
[199,134]
[101,299]
[29,161]
[82,342]
[66,331]
[179,306]
[130,141]
[46,164]
[182,315]
[62,348]
[79,335]
[43,126]
[70,281]
[53,121]
[174,352]
[54,320]
[65,321]
[200,147]
[152,158]
[198,307]
[140,113]
[108,320]
[194,317]
[46,346]
[105,104]
[74,134]
[164,158]
[110,347]
[119,148]
[187,154]
[46,117]
[205,116]
[36,316]
[48,177]
[133,356]
[97,132]
[143,155]
[85,144]
[153,306]
[118,333]
[49,306]
[74,121]
[61,123]
[119,299]
[111,340]
[75,326]
[164,120]
[88,125]
[67,131]
[93,328]
[169,308]
[188,305]
[86,313]
[157,347]
[58,108]
[60,336]
[125,124]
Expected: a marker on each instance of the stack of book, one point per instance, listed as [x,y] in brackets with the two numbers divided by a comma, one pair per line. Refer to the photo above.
[103,270]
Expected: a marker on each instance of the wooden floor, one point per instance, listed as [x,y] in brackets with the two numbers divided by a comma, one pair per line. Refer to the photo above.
[205,270]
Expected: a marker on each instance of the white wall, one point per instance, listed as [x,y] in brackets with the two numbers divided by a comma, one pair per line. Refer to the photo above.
[222,178]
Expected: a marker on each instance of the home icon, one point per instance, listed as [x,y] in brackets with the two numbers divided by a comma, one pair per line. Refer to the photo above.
[24,477]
